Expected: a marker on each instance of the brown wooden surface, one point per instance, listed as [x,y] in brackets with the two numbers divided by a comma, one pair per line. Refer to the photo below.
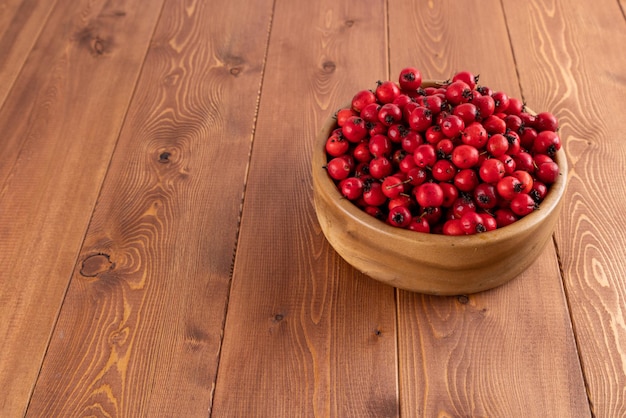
[311,336]
[59,126]
[583,79]
[160,251]
[21,22]
[477,352]
[146,304]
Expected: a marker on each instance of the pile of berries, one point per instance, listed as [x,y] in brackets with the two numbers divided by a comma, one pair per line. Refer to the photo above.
[452,158]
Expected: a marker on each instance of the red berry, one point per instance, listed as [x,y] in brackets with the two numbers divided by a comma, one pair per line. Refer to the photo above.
[458,92]
[380,146]
[522,204]
[501,100]
[420,119]
[504,217]
[466,180]
[475,135]
[380,167]
[489,221]
[453,227]
[462,205]
[485,105]
[410,78]
[389,114]
[362,99]
[516,106]
[351,188]
[509,187]
[547,142]
[370,112]
[397,132]
[425,155]
[539,191]
[429,195]
[343,115]
[526,179]
[419,225]
[400,216]
[354,129]
[443,170]
[393,186]
[491,170]
[361,152]
[494,125]
[450,194]
[546,121]
[338,168]
[467,77]
[472,223]
[452,126]
[547,172]
[387,91]
[465,156]
[497,145]
[336,145]
[485,196]
[466,111]
[373,194]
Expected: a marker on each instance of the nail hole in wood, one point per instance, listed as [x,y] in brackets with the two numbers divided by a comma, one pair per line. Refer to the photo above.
[164,158]
[329,67]
[462,299]
[96,264]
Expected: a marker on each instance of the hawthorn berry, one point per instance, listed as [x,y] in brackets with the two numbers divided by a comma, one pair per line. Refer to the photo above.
[455,158]
[410,79]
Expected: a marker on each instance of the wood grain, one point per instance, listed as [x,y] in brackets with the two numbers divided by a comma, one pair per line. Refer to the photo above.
[579,75]
[59,124]
[491,353]
[140,330]
[21,22]
[305,335]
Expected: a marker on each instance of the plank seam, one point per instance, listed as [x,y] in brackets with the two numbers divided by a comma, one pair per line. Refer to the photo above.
[32,46]
[396,291]
[387,37]
[241,206]
[10,90]
[571,320]
[87,226]
[508,34]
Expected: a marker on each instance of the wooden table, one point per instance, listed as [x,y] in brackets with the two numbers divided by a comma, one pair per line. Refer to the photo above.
[161,255]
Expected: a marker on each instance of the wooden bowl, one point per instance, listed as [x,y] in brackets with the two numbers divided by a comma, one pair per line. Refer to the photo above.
[430,263]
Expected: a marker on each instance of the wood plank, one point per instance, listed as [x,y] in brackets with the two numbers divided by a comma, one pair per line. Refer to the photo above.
[490,353]
[59,124]
[579,74]
[21,22]
[306,335]
[141,326]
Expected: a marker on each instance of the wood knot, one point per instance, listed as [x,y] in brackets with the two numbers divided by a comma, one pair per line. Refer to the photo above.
[329,67]
[235,71]
[463,299]
[96,264]
[119,337]
[278,317]
[93,40]
[99,46]
[164,157]
[349,23]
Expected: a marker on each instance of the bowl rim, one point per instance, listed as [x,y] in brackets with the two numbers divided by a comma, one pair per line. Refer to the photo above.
[530,221]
